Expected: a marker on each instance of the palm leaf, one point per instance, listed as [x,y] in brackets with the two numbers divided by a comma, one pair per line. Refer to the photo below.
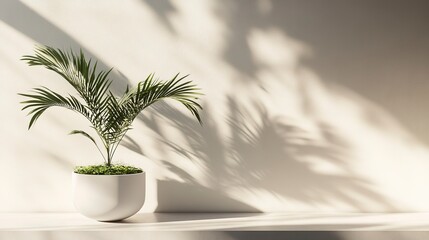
[44,98]
[82,75]
[110,116]
[84,134]
[150,91]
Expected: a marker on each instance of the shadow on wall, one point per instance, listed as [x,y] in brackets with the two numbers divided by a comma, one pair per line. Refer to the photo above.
[269,156]
[191,196]
[379,49]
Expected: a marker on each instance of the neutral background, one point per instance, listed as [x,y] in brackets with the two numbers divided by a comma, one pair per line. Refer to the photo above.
[309,105]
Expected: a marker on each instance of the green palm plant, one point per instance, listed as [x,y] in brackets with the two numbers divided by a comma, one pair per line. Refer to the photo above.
[110,116]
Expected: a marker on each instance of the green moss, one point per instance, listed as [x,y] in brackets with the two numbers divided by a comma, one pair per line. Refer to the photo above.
[107,170]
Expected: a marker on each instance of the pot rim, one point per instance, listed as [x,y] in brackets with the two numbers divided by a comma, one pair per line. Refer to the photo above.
[109,175]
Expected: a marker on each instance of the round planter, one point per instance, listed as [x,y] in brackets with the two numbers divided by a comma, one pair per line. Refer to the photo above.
[108,197]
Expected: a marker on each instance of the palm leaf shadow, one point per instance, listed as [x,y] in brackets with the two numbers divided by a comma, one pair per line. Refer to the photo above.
[269,155]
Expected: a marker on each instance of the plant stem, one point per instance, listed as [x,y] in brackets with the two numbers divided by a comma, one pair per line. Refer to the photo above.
[109,156]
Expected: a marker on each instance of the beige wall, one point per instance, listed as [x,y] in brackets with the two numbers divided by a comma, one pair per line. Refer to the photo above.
[309,105]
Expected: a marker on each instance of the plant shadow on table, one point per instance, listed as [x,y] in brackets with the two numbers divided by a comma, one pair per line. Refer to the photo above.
[197,218]
[274,235]
[262,155]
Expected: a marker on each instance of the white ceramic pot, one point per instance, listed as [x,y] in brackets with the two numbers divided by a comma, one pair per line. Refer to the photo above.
[109,197]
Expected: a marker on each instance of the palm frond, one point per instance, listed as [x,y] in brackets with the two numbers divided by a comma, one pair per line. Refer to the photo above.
[44,98]
[83,75]
[110,116]
[84,134]
[150,91]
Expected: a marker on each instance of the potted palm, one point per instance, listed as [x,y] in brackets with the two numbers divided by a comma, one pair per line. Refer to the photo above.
[105,192]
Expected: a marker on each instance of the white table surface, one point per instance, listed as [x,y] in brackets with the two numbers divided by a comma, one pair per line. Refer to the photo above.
[219,222]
